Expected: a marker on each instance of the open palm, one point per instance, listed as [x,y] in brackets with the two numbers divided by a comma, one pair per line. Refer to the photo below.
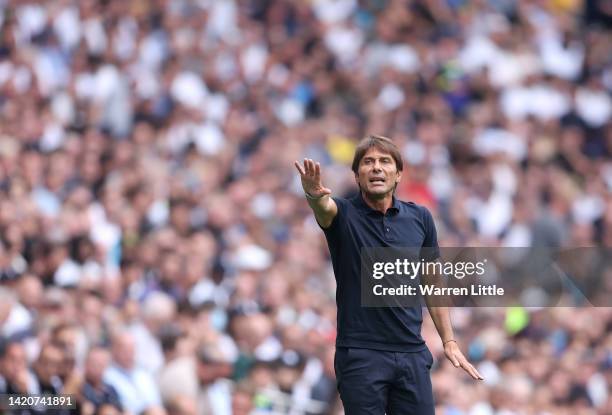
[310,174]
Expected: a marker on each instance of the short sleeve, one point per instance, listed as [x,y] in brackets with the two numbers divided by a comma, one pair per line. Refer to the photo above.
[341,204]
[430,242]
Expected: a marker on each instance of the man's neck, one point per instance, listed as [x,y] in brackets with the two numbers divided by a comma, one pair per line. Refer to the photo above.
[379,204]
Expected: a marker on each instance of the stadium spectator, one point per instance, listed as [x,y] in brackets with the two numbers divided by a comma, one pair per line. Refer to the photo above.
[94,389]
[16,376]
[214,370]
[47,369]
[136,387]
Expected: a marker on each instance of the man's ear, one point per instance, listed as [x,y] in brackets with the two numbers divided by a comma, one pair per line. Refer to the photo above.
[357,181]
[399,176]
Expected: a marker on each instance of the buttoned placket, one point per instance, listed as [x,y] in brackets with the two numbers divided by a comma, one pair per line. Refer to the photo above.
[386,225]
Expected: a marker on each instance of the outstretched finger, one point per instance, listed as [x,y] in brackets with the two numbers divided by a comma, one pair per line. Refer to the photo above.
[471,370]
[311,167]
[307,167]
[299,168]
[476,374]
[317,171]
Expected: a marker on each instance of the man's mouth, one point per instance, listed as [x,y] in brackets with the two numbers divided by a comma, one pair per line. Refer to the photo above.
[377,180]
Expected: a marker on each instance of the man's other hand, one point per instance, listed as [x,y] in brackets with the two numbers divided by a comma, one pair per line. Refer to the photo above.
[453,353]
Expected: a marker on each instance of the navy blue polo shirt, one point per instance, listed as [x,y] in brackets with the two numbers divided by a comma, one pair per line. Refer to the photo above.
[356,225]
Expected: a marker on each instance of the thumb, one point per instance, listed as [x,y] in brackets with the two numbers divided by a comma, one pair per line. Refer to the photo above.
[326,191]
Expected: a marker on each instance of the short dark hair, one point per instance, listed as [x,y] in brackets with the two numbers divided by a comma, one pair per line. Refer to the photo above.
[384,144]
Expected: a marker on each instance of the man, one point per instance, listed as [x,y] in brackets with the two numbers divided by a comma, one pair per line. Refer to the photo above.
[15,376]
[47,368]
[382,363]
[177,379]
[135,386]
[94,389]
[214,369]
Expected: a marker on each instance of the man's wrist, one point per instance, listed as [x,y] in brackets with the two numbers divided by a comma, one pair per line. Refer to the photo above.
[448,341]
[310,197]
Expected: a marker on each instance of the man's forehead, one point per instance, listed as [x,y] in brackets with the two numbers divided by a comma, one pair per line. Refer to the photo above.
[376,153]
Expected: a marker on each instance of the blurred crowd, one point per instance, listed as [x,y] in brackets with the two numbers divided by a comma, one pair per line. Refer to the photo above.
[157,255]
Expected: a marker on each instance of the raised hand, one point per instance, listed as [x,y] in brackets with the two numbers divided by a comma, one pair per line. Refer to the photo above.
[310,174]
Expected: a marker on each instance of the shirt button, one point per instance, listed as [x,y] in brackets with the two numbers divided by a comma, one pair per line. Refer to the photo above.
[387,229]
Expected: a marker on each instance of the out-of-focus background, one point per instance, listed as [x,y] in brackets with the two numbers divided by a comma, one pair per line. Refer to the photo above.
[157,255]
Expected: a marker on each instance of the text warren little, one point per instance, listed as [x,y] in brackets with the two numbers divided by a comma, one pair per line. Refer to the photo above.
[477,290]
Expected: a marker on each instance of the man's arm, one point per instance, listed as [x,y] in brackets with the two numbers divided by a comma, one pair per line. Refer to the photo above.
[441,318]
[317,195]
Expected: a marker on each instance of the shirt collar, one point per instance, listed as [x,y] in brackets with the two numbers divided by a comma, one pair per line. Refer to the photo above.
[361,204]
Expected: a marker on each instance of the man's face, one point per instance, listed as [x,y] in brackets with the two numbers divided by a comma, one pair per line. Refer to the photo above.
[49,363]
[95,365]
[124,351]
[14,361]
[377,175]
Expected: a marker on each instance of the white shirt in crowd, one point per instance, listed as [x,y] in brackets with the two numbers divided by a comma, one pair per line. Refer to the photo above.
[136,388]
